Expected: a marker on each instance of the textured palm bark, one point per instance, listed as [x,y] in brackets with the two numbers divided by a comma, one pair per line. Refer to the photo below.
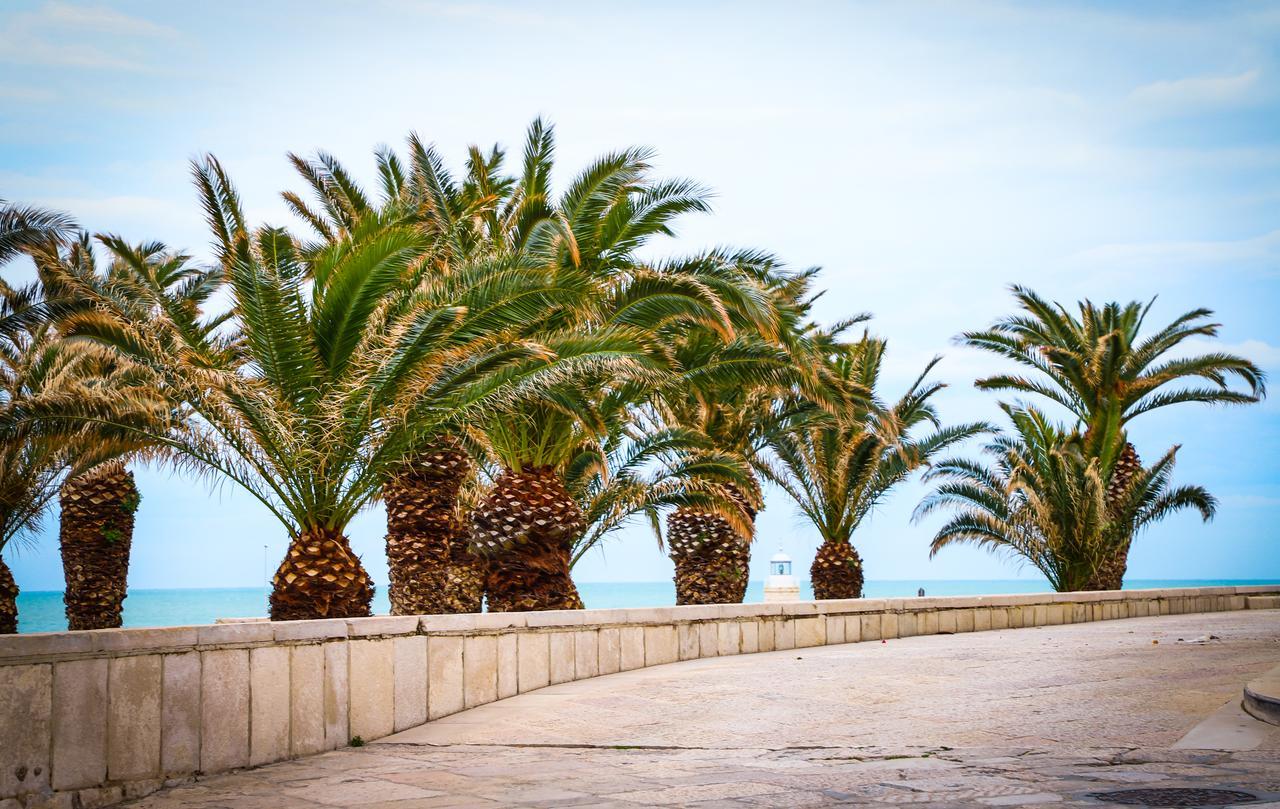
[713,561]
[836,571]
[1109,575]
[432,568]
[320,577]
[95,534]
[8,601]
[525,529]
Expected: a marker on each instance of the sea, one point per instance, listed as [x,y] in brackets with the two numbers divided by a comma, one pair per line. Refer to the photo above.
[42,611]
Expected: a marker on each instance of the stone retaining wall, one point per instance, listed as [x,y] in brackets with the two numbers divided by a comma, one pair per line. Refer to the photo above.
[89,718]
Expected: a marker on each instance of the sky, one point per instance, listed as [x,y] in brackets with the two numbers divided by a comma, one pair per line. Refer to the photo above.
[925,155]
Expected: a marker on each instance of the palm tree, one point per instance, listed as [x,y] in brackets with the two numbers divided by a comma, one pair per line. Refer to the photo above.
[838,467]
[1045,499]
[1104,370]
[738,390]
[334,365]
[27,228]
[99,502]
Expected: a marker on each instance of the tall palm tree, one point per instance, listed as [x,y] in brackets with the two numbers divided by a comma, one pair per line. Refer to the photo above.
[1101,367]
[739,389]
[98,503]
[838,467]
[27,228]
[335,364]
[1045,499]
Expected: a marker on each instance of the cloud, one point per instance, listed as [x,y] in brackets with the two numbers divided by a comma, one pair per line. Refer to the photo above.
[1196,93]
[63,35]
[1171,254]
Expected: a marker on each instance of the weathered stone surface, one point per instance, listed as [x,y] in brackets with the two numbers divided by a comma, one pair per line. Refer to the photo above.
[751,636]
[947,622]
[810,632]
[268,704]
[982,619]
[660,645]
[480,670]
[373,700]
[965,620]
[562,655]
[852,628]
[446,691]
[533,661]
[784,634]
[411,681]
[224,710]
[907,624]
[835,629]
[687,635]
[1000,618]
[610,650]
[767,637]
[508,665]
[337,676]
[306,700]
[586,654]
[708,639]
[133,717]
[180,714]
[728,638]
[79,724]
[927,623]
[632,639]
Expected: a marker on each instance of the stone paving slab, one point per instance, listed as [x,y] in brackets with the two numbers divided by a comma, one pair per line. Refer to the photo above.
[1026,717]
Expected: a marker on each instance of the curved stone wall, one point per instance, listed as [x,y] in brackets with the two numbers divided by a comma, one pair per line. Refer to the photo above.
[90,718]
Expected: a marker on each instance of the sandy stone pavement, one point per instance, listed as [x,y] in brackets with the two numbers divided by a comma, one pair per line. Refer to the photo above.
[1020,717]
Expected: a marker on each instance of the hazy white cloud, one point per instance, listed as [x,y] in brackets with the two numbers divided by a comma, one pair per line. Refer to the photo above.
[58,35]
[1196,93]
[100,19]
[1172,254]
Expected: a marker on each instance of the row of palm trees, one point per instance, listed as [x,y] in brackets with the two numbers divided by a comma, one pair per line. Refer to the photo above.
[503,367]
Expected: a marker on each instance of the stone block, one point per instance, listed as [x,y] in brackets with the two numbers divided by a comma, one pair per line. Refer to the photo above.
[908,624]
[1015,617]
[999,618]
[834,629]
[810,632]
[947,622]
[750,636]
[268,704]
[927,622]
[562,656]
[660,645]
[1040,615]
[133,717]
[729,637]
[982,619]
[475,621]
[410,695]
[558,618]
[888,625]
[533,668]
[508,665]
[687,634]
[870,626]
[586,654]
[180,714]
[768,639]
[45,644]
[632,654]
[372,692]
[708,639]
[965,620]
[306,700]
[79,723]
[144,639]
[480,670]
[26,692]
[610,650]
[317,630]
[852,628]
[1079,613]
[1057,614]
[445,676]
[382,626]
[234,634]
[337,695]
[784,634]
[224,709]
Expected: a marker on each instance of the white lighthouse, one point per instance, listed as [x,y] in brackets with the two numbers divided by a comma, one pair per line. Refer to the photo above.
[781,585]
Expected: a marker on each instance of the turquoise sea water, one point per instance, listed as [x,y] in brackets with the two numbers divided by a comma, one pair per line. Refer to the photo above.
[41,611]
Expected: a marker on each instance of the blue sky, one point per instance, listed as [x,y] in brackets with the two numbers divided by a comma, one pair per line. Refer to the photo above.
[924,154]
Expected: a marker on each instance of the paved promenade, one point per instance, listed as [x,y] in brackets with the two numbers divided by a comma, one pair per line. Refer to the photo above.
[1006,718]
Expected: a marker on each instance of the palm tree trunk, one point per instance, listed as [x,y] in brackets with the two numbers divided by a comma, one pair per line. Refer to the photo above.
[713,561]
[432,568]
[320,577]
[1109,575]
[8,601]
[836,571]
[526,528]
[96,533]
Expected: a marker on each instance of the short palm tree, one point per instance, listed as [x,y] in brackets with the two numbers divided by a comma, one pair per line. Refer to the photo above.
[1045,499]
[1104,370]
[334,365]
[838,467]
